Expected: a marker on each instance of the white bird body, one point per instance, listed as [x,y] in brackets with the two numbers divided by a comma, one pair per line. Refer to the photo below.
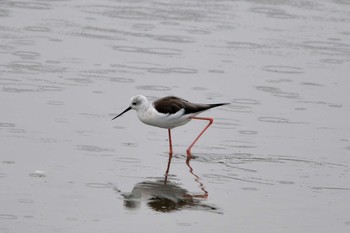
[163,120]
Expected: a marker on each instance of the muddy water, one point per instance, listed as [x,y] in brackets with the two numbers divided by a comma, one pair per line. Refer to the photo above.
[275,160]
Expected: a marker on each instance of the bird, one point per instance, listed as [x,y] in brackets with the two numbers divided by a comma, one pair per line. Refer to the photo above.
[169,112]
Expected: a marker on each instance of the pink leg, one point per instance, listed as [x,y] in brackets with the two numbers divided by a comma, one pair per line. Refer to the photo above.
[170,155]
[206,127]
[170,144]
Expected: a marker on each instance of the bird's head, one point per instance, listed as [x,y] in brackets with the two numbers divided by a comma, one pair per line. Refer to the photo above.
[137,103]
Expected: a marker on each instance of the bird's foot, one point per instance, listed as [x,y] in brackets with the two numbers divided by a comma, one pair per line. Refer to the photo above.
[190,155]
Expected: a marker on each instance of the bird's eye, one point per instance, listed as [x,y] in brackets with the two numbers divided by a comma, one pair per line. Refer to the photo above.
[133,103]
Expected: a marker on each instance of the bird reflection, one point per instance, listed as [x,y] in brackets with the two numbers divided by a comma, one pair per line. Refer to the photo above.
[197,179]
[165,195]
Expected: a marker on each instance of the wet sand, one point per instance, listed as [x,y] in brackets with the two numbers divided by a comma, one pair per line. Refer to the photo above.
[275,160]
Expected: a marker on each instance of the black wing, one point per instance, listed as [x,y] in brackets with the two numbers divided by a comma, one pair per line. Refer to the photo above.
[172,104]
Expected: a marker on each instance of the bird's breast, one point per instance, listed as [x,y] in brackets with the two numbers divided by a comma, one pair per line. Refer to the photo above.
[162,120]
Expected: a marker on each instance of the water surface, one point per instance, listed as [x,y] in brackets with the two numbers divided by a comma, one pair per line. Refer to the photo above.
[275,160]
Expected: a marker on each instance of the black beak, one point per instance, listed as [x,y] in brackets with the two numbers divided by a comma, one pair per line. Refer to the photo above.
[122,112]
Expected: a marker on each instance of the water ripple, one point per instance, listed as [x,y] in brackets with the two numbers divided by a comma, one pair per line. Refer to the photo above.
[108,74]
[91,148]
[28,5]
[32,89]
[345,2]
[25,66]
[98,185]
[127,160]
[332,61]
[331,188]
[272,12]
[224,123]
[27,54]
[157,51]
[175,38]
[160,12]
[6,125]
[153,88]
[277,92]
[284,69]
[55,102]
[4,13]
[8,216]
[37,29]
[243,45]
[237,108]
[273,119]
[246,101]
[327,47]
[248,132]
[178,70]
[6,48]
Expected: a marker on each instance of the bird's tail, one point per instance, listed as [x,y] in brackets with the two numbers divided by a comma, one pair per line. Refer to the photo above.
[217,105]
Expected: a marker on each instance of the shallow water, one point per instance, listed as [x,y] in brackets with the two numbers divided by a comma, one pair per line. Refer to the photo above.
[275,160]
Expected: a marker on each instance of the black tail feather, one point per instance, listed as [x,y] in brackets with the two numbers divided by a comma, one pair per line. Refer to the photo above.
[202,107]
[217,105]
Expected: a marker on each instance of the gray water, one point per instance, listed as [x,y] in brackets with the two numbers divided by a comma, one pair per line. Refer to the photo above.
[275,160]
